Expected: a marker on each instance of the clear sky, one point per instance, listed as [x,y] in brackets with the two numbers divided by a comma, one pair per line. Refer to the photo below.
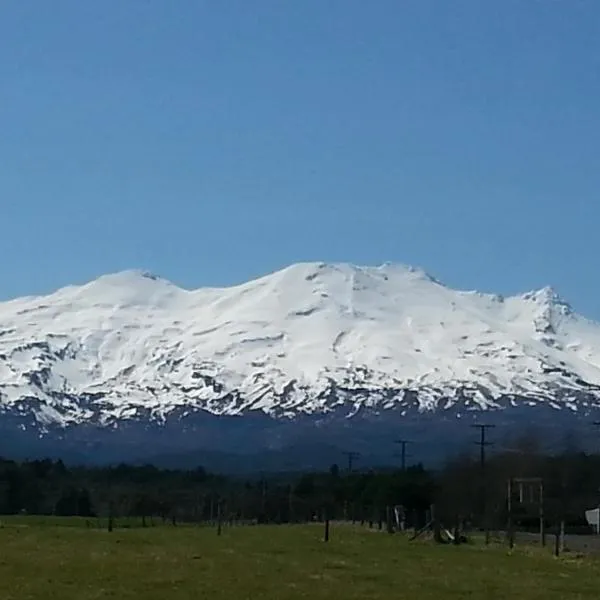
[211,142]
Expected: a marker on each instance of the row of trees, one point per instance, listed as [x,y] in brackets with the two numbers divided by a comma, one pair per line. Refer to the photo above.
[50,488]
[460,489]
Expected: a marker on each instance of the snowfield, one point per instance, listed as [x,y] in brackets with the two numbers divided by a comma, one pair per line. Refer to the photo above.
[312,339]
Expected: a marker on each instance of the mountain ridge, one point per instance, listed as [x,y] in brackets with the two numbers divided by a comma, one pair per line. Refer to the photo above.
[323,341]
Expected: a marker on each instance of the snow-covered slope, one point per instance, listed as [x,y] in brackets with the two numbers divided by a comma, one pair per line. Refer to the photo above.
[312,339]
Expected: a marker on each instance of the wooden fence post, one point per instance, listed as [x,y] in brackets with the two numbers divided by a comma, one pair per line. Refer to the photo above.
[562,535]
[436,526]
[110,516]
[456,532]
[510,532]
[542,524]
[219,520]
[388,519]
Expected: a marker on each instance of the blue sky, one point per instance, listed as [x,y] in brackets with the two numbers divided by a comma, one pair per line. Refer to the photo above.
[211,142]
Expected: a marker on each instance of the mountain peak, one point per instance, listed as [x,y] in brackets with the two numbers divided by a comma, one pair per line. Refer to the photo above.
[133,287]
[549,298]
[130,276]
[312,270]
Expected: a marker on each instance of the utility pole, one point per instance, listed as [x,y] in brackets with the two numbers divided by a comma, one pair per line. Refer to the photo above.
[482,443]
[263,497]
[596,424]
[509,528]
[351,457]
[403,455]
[594,450]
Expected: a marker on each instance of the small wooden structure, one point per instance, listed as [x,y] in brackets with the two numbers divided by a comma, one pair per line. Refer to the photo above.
[529,491]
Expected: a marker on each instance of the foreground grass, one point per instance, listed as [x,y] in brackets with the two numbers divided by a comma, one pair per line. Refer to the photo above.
[172,563]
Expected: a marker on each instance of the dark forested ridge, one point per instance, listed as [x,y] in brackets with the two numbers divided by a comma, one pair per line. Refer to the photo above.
[463,488]
[50,488]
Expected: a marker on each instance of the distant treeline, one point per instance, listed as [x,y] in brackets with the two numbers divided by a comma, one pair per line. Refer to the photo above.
[463,489]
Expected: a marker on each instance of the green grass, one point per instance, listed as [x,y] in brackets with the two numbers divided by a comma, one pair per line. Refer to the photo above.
[173,563]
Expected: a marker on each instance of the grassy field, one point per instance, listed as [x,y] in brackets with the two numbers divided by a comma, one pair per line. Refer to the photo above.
[42,559]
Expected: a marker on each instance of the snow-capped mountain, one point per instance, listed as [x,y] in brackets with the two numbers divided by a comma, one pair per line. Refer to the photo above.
[312,344]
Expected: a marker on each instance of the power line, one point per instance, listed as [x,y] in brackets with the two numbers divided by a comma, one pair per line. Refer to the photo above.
[594,450]
[351,457]
[483,444]
[596,424]
[403,455]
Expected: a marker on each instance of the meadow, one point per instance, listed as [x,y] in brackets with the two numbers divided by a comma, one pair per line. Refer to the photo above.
[69,559]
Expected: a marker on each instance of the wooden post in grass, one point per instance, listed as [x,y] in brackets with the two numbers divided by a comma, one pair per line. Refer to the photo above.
[219,520]
[110,516]
[388,519]
[326,535]
[542,524]
[436,526]
[559,538]
[509,525]
[456,531]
